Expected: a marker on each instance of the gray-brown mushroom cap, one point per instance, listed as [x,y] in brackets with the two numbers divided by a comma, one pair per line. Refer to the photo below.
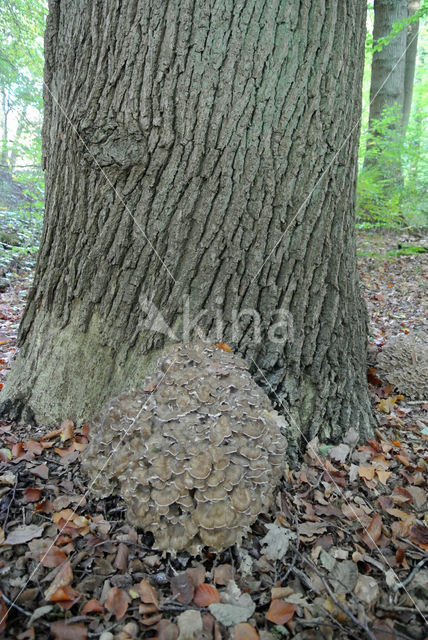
[196,459]
[403,361]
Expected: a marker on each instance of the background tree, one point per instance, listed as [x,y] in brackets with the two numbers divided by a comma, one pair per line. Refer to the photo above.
[206,155]
[21,105]
[410,64]
[21,65]
[387,81]
[389,188]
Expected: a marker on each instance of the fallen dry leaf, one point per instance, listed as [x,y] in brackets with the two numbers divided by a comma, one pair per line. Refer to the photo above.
[223,346]
[53,557]
[245,631]
[8,478]
[205,595]
[373,532]
[63,631]
[33,446]
[182,587]
[367,589]
[5,454]
[148,593]
[67,430]
[3,613]
[386,404]
[210,627]
[167,630]
[419,535]
[92,606]
[32,494]
[366,471]
[65,596]
[196,575]
[41,471]
[121,559]
[63,578]
[223,574]
[280,611]
[190,625]
[145,609]
[64,451]
[24,534]
[117,602]
[383,476]
[68,519]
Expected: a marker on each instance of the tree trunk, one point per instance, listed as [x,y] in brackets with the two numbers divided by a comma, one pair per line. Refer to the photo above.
[19,131]
[387,84]
[200,158]
[5,137]
[388,64]
[409,70]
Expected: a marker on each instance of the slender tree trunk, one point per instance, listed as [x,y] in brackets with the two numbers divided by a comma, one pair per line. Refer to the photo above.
[199,156]
[5,114]
[409,71]
[387,87]
[388,64]
[19,131]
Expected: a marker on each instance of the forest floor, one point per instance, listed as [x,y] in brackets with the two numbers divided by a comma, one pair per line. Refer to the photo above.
[345,554]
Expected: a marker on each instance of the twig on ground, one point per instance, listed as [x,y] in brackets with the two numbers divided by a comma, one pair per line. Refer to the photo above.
[414,571]
[412,544]
[304,578]
[338,604]
[12,604]
[397,634]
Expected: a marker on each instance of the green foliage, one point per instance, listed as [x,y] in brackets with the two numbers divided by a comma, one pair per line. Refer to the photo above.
[20,233]
[393,176]
[397,27]
[21,107]
[21,90]
[403,250]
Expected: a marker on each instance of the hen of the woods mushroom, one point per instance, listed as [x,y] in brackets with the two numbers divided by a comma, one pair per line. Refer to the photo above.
[196,455]
[403,361]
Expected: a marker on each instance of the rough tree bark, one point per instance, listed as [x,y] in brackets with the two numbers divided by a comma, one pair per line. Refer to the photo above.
[200,149]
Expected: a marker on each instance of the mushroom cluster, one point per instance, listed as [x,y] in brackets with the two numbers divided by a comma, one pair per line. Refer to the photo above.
[403,361]
[196,455]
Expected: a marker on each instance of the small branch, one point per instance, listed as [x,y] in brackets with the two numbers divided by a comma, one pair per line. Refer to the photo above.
[412,544]
[398,634]
[338,604]
[414,571]
[15,606]
[322,622]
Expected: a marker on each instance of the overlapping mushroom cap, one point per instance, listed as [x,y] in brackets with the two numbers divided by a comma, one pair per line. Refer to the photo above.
[403,361]
[196,456]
